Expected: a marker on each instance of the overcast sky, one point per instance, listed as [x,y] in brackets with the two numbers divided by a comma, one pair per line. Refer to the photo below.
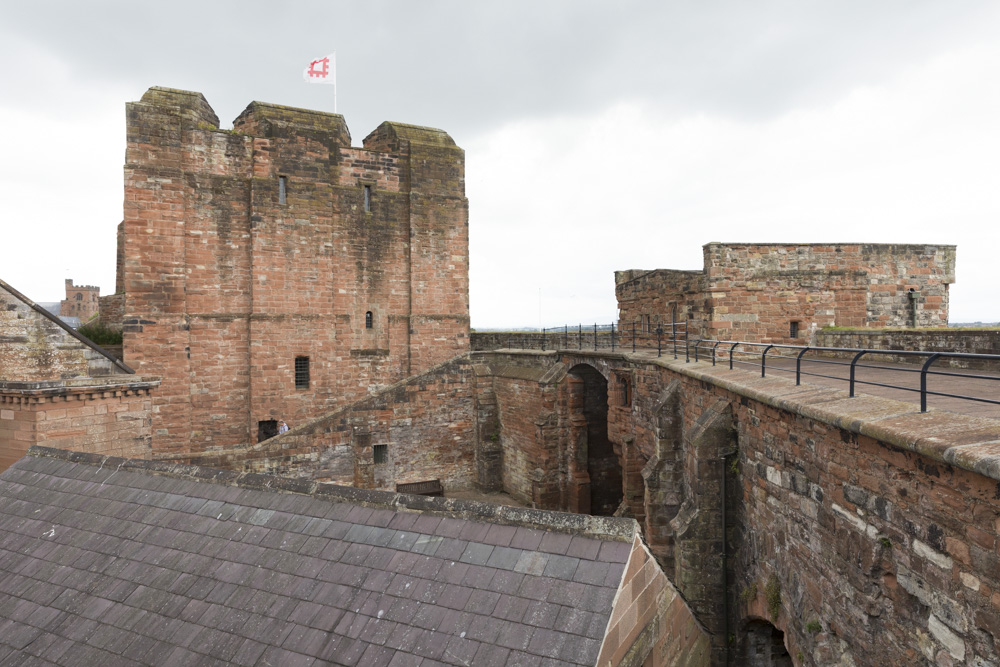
[599,136]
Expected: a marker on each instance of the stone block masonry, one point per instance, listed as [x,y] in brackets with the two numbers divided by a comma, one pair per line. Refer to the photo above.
[108,416]
[783,293]
[59,389]
[274,271]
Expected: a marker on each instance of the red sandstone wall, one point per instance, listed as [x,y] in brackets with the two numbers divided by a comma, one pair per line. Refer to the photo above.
[427,423]
[758,290]
[112,310]
[109,418]
[226,284]
[652,298]
[754,292]
[894,554]
[650,623]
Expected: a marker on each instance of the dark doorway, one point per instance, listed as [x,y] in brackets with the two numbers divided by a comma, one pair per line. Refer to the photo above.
[603,465]
[267,428]
[765,646]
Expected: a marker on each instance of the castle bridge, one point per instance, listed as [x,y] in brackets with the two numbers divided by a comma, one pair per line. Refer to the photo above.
[795,517]
[799,523]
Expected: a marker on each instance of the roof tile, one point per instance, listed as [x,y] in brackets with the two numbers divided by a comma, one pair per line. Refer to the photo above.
[244,575]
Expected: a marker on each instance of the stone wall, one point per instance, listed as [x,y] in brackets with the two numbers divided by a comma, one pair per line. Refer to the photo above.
[112,311]
[426,425]
[783,293]
[277,241]
[35,346]
[968,341]
[109,416]
[836,529]
[650,623]
[647,300]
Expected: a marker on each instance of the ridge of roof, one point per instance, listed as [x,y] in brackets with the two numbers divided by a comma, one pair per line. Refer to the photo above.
[615,529]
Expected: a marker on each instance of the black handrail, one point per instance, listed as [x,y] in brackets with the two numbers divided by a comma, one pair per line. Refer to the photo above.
[744,352]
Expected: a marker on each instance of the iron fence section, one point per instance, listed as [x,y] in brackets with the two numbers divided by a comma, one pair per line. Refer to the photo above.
[673,339]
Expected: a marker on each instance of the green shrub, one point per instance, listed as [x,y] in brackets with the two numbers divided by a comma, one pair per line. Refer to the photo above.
[100,334]
[772,594]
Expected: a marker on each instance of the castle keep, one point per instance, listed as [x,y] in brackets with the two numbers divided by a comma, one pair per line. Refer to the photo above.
[274,271]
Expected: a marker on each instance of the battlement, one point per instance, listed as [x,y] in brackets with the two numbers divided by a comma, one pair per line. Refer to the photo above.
[261,119]
[71,286]
[190,105]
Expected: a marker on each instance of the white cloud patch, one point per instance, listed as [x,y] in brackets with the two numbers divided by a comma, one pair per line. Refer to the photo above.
[558,204]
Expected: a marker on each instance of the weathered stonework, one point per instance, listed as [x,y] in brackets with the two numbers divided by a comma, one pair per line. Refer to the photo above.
[108,416]
[761,292]
[245,250]
[967,341]
[60,390]
[36,346]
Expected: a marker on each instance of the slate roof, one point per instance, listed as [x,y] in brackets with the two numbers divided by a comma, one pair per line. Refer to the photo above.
[107,561]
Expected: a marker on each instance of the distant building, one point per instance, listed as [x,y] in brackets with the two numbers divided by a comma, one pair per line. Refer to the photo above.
[82,301]
[782,293]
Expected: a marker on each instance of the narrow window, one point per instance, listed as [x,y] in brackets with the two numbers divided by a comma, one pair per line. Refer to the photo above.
[282,189]
[793,330]
[368,199]
[626,392]
[380,453]
[368,320]
[301,372]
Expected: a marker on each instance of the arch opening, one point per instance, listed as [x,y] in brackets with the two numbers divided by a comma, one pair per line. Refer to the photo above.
[764,646]
[595,452]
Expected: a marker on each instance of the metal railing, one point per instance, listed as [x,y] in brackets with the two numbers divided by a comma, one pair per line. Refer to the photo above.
[672,338]
[835,357]
[669,336]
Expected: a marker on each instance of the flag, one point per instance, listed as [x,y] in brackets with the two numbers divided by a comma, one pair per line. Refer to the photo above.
[322,70]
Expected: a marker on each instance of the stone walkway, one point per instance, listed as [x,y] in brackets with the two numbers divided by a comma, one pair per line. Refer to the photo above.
[868,381]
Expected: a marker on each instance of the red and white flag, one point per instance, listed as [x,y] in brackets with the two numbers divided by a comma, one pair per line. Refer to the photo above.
[322,70]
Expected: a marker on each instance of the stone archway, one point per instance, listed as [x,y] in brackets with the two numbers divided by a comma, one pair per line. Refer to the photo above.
[595,469]
[764,645]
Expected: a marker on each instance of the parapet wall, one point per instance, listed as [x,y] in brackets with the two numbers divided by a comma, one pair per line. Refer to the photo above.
[860,528]
[109,416]
[968,341]
[420,429]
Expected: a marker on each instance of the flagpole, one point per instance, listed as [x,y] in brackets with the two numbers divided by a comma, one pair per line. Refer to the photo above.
[335,84]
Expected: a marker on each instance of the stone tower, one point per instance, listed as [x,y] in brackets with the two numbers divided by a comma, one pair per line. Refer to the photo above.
[274,271]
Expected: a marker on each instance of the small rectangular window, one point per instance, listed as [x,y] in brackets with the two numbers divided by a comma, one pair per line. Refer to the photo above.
[301,372]
[793,330]
[380,453]
[282,189]
[368,199]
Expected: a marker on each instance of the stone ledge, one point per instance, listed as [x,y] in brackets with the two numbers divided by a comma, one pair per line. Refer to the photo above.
[79,385]
[602,528]
[971,443]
